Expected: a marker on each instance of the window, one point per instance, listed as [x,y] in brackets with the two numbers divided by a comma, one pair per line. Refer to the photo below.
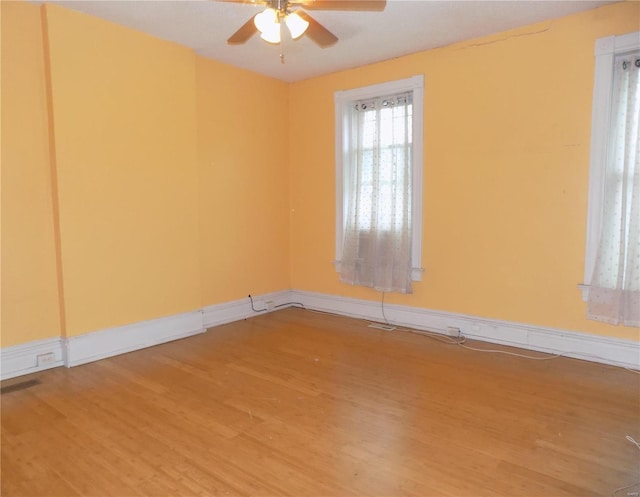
[379,136]
[612,261]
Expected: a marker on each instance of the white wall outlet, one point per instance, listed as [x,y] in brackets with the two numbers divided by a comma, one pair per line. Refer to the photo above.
[45,359]
[452,331]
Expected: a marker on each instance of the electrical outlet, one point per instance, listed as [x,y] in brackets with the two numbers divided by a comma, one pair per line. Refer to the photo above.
[269,305]
[452,331]
[45,359]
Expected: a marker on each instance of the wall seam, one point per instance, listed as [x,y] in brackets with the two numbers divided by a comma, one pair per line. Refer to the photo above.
[54,170]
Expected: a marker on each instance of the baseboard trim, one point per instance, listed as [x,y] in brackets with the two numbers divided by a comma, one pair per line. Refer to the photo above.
[614,351]
[119,340]
[22,359]
[122,339]
[227,312]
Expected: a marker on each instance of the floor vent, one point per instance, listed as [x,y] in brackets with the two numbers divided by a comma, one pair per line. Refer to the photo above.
[19,386]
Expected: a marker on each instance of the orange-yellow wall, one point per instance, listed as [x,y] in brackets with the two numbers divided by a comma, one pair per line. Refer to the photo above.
[166,183]
[169,182]
[506,163]
[242,151]
[29,277]
[124,112]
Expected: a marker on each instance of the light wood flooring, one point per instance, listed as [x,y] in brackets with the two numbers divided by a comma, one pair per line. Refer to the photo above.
[303,404]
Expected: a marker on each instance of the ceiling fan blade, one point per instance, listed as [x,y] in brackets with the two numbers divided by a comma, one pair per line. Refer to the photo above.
[317,32]
[371,5]
[246,31]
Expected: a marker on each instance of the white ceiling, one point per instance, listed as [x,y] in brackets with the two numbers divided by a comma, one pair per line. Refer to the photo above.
[404,27]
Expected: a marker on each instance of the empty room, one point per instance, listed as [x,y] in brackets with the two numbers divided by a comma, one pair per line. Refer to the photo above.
[320,248]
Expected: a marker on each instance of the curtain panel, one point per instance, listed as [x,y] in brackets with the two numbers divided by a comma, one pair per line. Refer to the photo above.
[377,237]
[614,293]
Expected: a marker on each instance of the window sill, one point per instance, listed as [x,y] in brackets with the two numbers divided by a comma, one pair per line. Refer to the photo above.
[584,289]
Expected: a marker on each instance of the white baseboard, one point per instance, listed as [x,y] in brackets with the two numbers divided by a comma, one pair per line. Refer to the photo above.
[579,345]
[106,343]
[22,359]
[121,339]
[227,312]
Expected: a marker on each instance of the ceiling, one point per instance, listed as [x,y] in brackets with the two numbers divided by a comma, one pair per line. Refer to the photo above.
[404,27]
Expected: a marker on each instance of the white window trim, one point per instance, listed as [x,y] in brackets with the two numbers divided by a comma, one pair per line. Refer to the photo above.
[414,84]
[606,50]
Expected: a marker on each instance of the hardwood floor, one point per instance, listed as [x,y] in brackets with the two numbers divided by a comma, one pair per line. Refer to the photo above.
[304,404]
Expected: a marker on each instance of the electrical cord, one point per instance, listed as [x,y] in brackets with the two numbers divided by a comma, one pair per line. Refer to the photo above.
[439,336]
[630,438]
[525,356]
[252,306]
[434,335]
[613,494]
[299,305]
[461,339]
[386,321]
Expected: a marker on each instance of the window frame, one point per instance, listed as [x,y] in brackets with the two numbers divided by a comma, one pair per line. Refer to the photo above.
[606,51]
[342,100]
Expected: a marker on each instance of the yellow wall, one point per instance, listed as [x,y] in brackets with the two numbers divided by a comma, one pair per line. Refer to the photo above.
[506,139]
[165,186]
[169,182]
[242,148]
[29,278]
[124,111]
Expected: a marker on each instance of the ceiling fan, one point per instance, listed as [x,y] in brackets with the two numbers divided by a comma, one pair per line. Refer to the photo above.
[269,22]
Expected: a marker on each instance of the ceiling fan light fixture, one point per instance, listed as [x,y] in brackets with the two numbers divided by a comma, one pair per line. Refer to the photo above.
[268,24]
[266,20]
[272,36]
[296,24]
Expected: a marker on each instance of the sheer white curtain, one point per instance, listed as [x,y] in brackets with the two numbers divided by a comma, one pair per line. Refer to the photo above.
[377,237]
[614,294]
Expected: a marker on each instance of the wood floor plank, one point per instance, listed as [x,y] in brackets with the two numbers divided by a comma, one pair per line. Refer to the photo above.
[299,403]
